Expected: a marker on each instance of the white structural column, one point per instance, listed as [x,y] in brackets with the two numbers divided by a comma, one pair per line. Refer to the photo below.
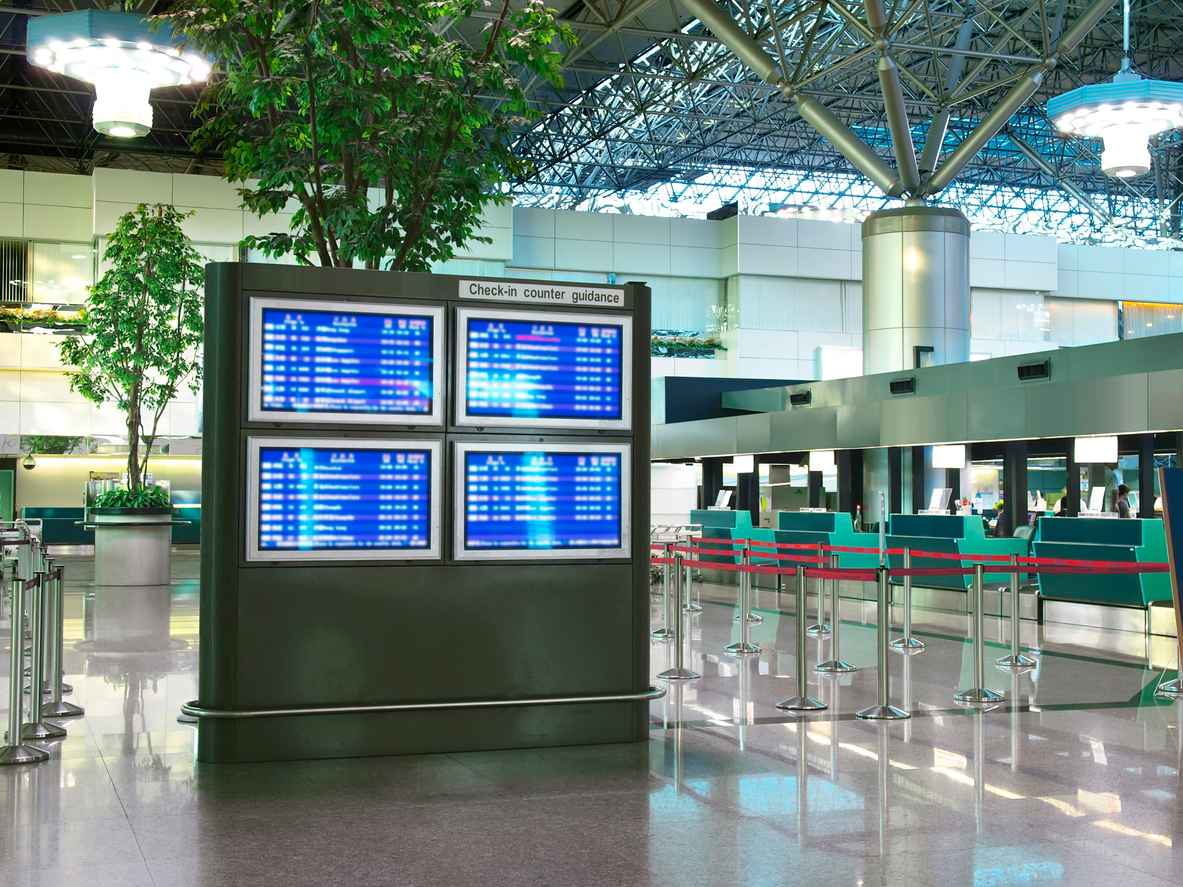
[915,287]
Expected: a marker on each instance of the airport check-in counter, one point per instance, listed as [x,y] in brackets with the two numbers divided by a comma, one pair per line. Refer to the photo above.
[947,534]
[726,524]
[1130,540]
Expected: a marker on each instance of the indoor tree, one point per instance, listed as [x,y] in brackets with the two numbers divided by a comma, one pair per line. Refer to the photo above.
[382,125]
[142,334]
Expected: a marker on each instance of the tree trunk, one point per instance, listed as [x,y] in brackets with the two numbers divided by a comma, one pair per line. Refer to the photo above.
[133,438]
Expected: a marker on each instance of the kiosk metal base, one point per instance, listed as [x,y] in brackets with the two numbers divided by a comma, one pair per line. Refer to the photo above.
[22,754]
[753,618]
[1017,662]
[42,730]
[907,645]
[978,696]
[801,703]
[662,634]
[61,710]
[679,674]
[819,630]
[835,666]
[739,648]
[883,713]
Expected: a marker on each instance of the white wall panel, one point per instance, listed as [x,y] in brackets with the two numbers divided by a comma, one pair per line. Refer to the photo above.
[583,226]
[12,186]
[12,219]
[640,258]
[767,230]
[534,222]
[640,229]
[533,252]
[591,255]
[57,189]
[828,264]
[696,232]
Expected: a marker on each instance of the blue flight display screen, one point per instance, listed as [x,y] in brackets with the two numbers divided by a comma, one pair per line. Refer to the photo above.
[328,498]
[346,362]
[544,369]
[542,500]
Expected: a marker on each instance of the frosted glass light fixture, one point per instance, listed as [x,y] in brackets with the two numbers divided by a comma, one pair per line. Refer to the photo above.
[1125,113]
[121,55]
[822,460]
[744,464]
[1089,450]
[948,456]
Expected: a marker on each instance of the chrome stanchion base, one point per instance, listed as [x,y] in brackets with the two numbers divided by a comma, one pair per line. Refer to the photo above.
[819,630]
[61,710]
[1017,662]
[67,688]
[186,719]
[662,634]
[801,703]
[907,645]
[692,608]
[1170,688]
[739,648]
[978,696]
[22,754]
[835,666]
[883,713]
[753,618]
[42,730]
[679,674]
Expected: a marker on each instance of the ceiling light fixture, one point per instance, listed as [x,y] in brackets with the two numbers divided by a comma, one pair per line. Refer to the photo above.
[122,55]
[1125,113]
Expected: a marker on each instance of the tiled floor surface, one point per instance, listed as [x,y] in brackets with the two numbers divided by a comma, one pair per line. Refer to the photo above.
[1074,781]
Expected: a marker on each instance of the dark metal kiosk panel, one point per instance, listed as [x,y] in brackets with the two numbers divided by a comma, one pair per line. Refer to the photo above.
[414,640]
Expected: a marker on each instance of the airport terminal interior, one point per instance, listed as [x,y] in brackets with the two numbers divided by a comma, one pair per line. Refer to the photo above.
[591,442]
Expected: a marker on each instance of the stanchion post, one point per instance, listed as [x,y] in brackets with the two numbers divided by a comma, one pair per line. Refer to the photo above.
[835,664]
[744,646]
[664,633]
[56,707]
[15,752]
[883,710]
[821,628]
[1017,660]
[802,701]
[36,728]
[906,643]
[679,672]
[688,604]
[746,563]
[979,693]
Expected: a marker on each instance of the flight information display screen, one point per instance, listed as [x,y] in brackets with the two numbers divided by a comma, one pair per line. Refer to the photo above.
[325,362]
[563,499]
[544,368]
[343,499]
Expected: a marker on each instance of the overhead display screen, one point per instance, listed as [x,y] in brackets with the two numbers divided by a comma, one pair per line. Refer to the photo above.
[552,369]
[345,362]
[542,501]
[319,499]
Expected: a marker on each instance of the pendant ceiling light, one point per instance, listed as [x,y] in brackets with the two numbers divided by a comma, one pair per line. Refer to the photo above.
[1125,113]
[121,55]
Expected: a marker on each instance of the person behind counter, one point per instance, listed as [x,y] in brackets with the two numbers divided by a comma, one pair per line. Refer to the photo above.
[1123,501]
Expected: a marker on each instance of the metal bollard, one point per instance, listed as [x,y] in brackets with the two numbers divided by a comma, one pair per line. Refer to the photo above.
[746,558]
[15,752]
[906,643]
[1016,660]
[884,710]
[744,646]
[979,693]
[664,633]
[835,664]
[802,701]
[821,628]
[35,728]
[679,672]
[55,707]
[689,606]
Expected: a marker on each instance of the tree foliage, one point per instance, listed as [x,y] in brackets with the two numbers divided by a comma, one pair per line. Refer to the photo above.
[387,136]
[143,328]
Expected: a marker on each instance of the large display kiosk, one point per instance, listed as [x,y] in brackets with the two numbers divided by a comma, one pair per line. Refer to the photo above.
[421,497]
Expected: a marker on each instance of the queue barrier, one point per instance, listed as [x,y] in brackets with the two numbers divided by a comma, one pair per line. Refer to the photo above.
[686,556]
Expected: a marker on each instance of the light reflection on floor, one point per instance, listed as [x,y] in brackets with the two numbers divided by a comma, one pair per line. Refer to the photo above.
[1074,781]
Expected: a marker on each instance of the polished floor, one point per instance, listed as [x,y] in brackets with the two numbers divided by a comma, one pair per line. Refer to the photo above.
[1075,780]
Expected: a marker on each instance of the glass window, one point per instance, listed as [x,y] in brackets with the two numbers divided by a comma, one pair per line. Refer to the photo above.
[1047,482]
[61,272]
[985,484]
[1142,319]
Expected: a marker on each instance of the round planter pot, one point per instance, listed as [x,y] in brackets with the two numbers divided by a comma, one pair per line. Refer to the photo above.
[132,545]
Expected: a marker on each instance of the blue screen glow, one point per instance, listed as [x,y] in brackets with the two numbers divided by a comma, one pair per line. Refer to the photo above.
[346,362]
[325,498]
[542,500]
[544,369]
